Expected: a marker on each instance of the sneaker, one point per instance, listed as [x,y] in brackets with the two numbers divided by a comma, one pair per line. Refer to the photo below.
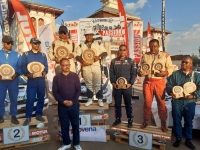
[64,147]
[100,101]
[130,122]
[144,124]
[14,120]
[89,102]
[189,144]
[77,147]
[117,121]
[27,121]
[177,143]
[1,119]
[40,118]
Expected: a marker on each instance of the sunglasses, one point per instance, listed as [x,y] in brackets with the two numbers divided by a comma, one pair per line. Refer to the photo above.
[185,62]
[8,43]
[36,43]
[62,32]
[122,50]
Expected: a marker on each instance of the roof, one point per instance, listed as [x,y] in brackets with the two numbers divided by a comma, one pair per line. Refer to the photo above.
[154,29]
[113,11]
[178,57]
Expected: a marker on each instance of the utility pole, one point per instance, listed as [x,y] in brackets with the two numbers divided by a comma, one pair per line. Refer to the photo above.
[163,25]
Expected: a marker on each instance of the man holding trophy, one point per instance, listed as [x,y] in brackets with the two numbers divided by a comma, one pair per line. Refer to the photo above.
[184,87]
[155,66]
[122,77]
[90,54]
[35,67]
[10,69]
[63,48]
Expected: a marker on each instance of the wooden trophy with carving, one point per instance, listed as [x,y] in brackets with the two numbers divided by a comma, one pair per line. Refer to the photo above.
[145,68]
[88,56]
[157,68]
[6,72]
[36,68]
[121,83]
[178,91]
[189,88]
[61,52]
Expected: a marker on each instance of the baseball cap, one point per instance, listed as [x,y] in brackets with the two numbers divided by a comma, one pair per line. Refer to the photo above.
[7,39]
[88,31]
[63,29]
[35,40]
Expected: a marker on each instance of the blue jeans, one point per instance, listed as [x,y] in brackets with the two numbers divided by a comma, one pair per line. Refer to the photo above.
[185,109]
[12,87]
[71,114]
[127,95]
[31,96]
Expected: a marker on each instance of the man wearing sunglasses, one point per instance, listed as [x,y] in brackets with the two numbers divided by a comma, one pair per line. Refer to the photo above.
[184,106]
[67,43]
[35,86]
[8,56]
[92,72]
[154,82]
[122,66]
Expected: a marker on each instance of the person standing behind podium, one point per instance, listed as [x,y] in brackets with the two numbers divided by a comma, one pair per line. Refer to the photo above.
[66,90]
[123,66]
[8,56]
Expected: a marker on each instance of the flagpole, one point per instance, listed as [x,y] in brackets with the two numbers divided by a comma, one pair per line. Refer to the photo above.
[163,25]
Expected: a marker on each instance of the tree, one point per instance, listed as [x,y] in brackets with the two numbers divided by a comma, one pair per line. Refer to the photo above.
[194,57]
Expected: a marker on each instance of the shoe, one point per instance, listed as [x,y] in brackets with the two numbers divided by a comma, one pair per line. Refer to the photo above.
[177,143]
[163,126]
[14,120]
[130,122]
[89,102]
[27,121]
[1,119]
[144,124]
[40,118]
[117,121]
[64,147]
[100,101]
[77,147]
[189,144]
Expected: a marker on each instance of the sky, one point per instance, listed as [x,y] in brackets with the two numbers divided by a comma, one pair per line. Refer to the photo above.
[182,18]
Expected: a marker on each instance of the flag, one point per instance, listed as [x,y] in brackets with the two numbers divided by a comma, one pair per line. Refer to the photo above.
[4,17]
[163,25]
[148,37]
[123,23]
[24,21]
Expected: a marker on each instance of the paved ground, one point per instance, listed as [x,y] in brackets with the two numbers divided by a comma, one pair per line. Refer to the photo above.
[110,145]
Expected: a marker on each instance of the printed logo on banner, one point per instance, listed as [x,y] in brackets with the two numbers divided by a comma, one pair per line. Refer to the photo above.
[140,139]
[39,132]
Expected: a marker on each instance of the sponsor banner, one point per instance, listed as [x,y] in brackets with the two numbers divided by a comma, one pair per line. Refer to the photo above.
[24,21]
[123,23]
[99,117]
[90,133]
[39,132]
[73,30]
[131,40]
[137,40]
[4,17]
[40,139]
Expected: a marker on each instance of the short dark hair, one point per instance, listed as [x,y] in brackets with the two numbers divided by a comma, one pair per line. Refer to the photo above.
[154,40]
[188,57]
[63,59]
[123,45]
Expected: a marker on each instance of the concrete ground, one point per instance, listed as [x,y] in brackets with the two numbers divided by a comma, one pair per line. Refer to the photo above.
[110,145]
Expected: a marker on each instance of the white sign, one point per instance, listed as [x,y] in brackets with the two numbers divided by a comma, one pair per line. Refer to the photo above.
[15,134]
[140,140]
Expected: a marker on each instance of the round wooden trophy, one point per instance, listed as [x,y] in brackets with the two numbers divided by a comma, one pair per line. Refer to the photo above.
[36,68]
[62,52]
[6,72]
[88,56]
[177,91]
[121,83]
[158,67]
[145,68]
[189,88]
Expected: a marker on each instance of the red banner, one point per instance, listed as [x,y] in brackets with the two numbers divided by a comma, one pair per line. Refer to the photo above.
[123,23]
[24,21]
[148,37]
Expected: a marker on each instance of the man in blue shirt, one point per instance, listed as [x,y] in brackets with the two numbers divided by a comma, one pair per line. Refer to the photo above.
[35,86]
[8,56]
